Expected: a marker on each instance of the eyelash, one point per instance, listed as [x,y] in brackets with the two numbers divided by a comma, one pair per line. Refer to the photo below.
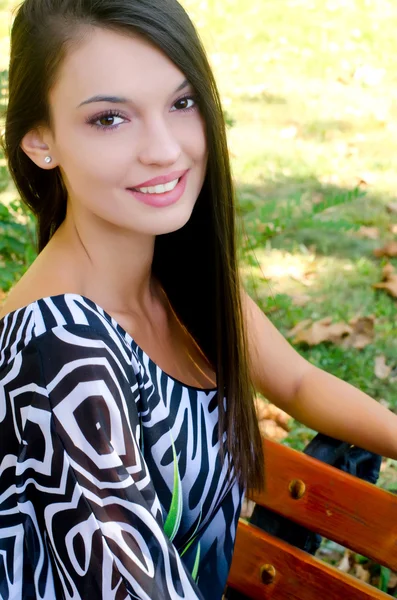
[92,121]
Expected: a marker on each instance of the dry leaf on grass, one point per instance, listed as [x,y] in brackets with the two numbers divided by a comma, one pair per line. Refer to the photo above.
[393,228]
[299,327]
[389,250]
[265,410]
[247,509]
[361,573]
[387,271]
[319,331]
[270,429]
[389,280]
[273,422]
[363,333]
[345,563]
[382,370]
[392,207]
[371,233]
[358,333]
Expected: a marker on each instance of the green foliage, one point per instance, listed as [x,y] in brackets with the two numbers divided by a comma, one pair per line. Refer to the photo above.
[17,243]
[230,122]
[3,178]
[384,578]
[3,89]
[272,217]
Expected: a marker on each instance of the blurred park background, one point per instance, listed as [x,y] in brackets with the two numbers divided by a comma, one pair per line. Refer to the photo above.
[309,89]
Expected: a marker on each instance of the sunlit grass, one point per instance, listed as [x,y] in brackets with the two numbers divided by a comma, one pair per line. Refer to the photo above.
[312,88]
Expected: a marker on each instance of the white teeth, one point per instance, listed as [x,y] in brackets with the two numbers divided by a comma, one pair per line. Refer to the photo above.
[159,189]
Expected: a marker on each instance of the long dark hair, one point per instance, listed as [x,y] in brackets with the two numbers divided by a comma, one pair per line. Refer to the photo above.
[196,265]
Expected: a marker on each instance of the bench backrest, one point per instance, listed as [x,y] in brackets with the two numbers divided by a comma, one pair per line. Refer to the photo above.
[340,507]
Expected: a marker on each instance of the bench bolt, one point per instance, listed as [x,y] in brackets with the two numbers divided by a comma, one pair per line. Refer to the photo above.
[297,489]
[268,573]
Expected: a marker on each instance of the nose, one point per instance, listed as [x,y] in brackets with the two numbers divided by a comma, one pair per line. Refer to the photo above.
[160,145]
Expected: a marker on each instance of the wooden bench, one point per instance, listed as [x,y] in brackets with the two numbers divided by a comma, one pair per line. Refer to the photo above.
[340,507]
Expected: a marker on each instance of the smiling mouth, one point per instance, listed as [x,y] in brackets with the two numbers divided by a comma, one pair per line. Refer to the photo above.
[158,189]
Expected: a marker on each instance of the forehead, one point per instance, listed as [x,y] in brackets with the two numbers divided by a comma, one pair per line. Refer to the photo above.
[111,62]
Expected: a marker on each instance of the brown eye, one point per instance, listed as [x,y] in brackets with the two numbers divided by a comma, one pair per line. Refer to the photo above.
[185,104]
[106,120]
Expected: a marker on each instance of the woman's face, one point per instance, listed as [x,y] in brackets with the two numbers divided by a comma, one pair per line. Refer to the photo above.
[149,126]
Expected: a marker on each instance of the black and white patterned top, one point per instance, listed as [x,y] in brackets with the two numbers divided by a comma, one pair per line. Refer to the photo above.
[111,485]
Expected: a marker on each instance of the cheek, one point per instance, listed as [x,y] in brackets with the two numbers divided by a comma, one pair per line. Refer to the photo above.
[195,141]
[88,155]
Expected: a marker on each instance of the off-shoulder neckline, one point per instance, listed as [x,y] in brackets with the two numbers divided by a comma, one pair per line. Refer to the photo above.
[114,323]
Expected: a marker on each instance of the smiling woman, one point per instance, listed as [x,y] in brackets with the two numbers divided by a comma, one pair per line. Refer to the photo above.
[127,425]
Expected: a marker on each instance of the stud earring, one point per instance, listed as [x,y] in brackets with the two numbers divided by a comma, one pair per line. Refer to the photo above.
[48,159]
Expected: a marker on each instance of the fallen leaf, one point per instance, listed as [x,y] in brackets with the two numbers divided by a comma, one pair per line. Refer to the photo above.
[247,508]
[361,573]
[371,233]
[393,228]
[273,422]
[266,410]
[392,207]
[382,370]
[271,430]
[358,333]
[389,250]
[307,278]
[390,286]
[321,331]
[389,282]
[387,271]
[299,327]
[363,333]
[345,563]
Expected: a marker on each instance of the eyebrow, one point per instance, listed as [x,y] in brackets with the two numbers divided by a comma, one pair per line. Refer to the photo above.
[122,99]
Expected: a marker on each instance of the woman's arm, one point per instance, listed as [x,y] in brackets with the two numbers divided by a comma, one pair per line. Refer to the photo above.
[312,396]
[85,495]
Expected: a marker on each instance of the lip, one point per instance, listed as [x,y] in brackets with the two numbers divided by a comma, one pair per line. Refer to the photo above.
[162,179]
[165,199]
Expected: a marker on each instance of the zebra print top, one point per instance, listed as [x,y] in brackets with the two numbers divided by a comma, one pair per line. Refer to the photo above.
[111,486]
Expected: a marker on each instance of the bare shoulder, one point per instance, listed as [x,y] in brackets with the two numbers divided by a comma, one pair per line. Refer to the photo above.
[45,277]
[19,297]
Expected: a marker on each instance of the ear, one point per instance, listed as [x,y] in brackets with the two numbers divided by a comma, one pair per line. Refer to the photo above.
[37,145]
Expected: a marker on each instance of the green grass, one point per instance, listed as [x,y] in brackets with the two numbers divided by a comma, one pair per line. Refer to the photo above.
[311,86]
[312,89]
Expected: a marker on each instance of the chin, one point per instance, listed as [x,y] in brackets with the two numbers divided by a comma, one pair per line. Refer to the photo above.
[168,223]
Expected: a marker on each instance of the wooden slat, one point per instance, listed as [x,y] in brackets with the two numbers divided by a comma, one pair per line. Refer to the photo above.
[337,505]
[299,576]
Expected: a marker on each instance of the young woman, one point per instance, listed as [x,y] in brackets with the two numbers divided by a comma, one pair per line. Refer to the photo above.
[129,351]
